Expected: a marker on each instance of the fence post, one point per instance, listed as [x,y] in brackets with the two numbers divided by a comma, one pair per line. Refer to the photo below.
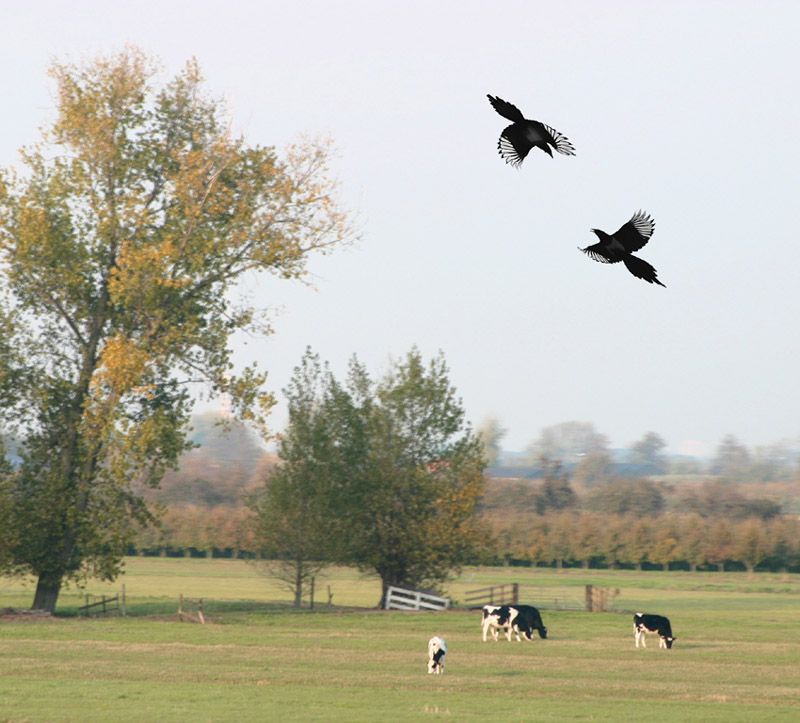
[515,593]
[589,598]
[312,592]
[124,611]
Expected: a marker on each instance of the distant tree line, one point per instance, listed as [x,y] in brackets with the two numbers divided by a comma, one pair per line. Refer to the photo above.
[557,538]
[685,541]
[586,453]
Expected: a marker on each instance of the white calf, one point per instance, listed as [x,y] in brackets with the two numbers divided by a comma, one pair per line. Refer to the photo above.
[437,649]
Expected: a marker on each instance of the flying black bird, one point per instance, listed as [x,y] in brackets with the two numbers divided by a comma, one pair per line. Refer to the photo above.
[621,245]
[517,139]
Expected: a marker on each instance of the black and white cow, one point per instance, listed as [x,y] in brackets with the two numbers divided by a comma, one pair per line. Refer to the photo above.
[656,624]
[512,618]
[498,617]
[528,620]
[437,650]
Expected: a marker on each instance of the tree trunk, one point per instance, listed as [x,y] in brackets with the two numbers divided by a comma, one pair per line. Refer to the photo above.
[298,585]
[639,566]
[720,567]
[47,589]
[585,564]
[666,567]
[692,567]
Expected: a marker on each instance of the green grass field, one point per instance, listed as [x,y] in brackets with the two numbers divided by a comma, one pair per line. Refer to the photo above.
[736,658]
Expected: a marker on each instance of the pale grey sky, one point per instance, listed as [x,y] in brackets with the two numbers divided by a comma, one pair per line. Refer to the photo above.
[688,110]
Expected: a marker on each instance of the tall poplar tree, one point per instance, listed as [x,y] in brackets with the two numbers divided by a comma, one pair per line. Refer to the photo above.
[120,245]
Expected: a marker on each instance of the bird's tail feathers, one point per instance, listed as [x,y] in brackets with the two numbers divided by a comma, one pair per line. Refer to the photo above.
[562,143]
[641,269]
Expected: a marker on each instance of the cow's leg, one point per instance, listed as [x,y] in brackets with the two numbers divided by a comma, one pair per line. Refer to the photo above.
[661,642]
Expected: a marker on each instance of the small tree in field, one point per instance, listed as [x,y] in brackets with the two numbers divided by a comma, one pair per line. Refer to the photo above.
[382,475]
[293,523]
[119,248]
[416,519]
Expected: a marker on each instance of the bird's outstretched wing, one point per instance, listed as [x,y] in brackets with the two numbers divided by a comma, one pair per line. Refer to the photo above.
[512,146]
[599,252]
[559,141]
[507,110]
[637,232]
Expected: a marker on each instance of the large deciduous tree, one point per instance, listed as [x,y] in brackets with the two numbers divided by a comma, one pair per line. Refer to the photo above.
[120,245]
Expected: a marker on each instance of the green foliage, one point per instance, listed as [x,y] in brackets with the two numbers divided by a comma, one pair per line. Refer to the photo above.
[118,249]
[7,532]
[294,525]
[384,475]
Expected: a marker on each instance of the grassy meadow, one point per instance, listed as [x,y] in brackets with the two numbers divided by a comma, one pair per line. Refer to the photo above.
[736,658]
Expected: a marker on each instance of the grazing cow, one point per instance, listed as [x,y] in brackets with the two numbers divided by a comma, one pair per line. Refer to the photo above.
[498,617]
[437,649]
[512,618]
[528,620]
[656,624]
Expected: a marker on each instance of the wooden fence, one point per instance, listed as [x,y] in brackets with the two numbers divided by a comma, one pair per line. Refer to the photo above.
[495,595]
[546,597]
[104,605]
[194,614]
[398,598]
